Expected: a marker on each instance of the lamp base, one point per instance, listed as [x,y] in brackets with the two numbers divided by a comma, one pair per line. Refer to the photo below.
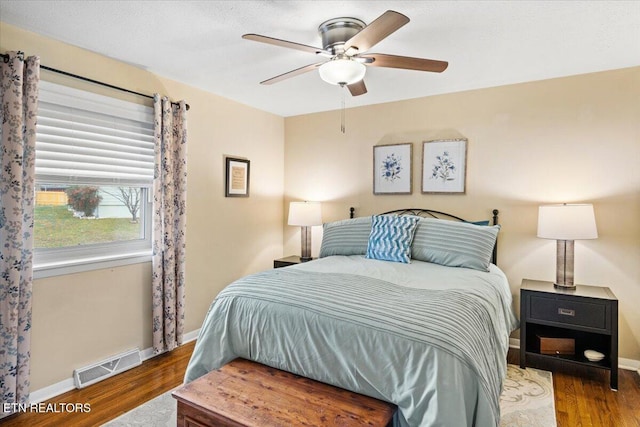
[305,246]
[564,265]
[571,287]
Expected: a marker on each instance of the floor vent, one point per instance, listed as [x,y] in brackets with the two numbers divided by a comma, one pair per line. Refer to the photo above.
[107,368]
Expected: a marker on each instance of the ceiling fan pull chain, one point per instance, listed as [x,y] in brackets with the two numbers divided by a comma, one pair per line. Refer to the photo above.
[342,125]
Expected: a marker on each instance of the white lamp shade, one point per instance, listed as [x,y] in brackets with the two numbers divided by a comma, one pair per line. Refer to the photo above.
[342,71]
[305,214]
[567,222]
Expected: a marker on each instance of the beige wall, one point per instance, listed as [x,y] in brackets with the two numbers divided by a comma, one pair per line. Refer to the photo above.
[83,318]
[574,139]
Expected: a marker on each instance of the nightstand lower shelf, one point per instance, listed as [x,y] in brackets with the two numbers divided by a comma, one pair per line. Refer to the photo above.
[533,357]
[583,341]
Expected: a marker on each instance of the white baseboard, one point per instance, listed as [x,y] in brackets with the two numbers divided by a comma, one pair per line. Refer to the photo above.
[53,390]
[623,363]
[64,386]
[190,336]
[629,364]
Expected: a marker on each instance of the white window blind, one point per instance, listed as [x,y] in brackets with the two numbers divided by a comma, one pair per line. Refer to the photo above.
[92,139]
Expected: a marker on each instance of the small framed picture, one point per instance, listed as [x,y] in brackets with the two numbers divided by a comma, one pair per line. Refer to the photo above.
[444,166]
[237,177]
[392,172]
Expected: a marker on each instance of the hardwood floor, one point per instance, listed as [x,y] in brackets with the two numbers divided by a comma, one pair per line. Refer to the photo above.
[114,396]
[582,397]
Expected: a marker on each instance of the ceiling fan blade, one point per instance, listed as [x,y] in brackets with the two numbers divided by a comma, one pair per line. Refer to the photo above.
[405,62]
[357,88]
[285,43]
[292,73]
[376,31]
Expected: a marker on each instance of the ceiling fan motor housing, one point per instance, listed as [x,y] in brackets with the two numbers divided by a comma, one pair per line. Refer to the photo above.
[335,32]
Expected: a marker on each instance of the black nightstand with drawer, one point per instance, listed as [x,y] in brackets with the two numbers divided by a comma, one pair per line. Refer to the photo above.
[588,315]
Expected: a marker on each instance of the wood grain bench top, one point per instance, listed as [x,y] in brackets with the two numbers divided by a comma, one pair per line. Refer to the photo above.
[244,393]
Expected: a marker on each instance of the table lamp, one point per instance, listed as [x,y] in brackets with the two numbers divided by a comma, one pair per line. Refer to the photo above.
[566,223]
[305,215]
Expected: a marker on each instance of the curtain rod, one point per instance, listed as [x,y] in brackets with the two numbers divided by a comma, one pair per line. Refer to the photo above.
[86,79]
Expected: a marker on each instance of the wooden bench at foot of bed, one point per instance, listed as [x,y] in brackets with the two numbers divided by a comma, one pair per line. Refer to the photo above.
[244,393]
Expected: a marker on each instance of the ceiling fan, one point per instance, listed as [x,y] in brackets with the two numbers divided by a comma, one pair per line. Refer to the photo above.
[344,43]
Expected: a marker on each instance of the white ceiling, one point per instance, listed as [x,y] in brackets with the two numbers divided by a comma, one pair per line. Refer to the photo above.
[487,43]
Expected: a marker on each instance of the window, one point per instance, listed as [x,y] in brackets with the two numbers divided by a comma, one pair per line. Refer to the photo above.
[94,173]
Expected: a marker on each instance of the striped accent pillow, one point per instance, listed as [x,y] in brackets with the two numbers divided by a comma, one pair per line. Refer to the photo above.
[391,238]
[454,244]
[347,237]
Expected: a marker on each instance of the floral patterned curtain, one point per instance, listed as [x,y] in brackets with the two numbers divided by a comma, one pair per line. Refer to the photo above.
[169,223]
[19,105]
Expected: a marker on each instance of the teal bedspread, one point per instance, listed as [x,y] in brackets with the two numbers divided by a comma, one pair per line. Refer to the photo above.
[431,339]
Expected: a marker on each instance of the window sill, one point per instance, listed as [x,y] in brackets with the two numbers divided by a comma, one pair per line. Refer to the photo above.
[52,269]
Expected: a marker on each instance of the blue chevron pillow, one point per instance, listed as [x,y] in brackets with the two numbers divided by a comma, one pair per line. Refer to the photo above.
[391,237]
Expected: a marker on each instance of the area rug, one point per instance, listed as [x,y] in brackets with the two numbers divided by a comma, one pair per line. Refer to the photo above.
[526,401]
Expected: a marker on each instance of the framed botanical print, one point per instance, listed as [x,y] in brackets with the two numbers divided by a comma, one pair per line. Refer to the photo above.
[236,177]
[444,166]
[392,171]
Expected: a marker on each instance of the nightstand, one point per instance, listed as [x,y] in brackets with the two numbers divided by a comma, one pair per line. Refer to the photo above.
[588,315]
[290,260]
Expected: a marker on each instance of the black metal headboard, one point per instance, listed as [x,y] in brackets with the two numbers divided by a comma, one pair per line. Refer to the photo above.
[428,213]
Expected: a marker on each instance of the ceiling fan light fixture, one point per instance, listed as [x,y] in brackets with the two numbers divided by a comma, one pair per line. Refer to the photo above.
[342,71]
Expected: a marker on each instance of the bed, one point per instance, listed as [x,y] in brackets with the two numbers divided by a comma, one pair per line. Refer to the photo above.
[425,326]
